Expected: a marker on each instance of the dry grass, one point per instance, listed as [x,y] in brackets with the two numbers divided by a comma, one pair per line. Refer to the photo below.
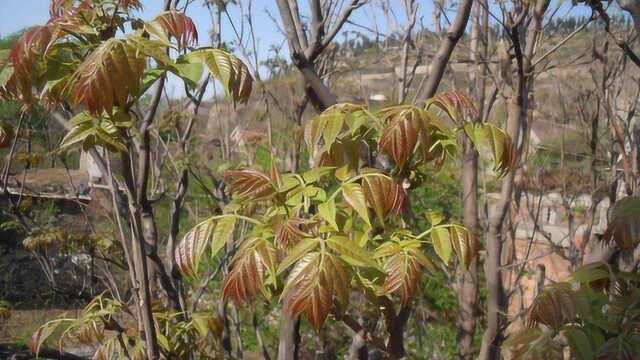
[23,323]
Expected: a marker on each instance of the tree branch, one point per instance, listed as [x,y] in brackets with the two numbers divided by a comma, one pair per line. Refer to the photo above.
[439,63]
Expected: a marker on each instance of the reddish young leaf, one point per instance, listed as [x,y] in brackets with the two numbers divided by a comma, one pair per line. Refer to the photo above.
[109,76]
[174,24]
[403,274]
[248,270]
[250,184]
[402,264]
[58,7]
[288,233]
[345,156]
[131,4]
[191,248]
[25,56]
[455,103]
[384,195]
[312,285]
[555,306]
[40,336]
[400,136]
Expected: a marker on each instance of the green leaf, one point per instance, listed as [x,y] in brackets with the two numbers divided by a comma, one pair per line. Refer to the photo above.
[149,78]
[327,211]
[313,132]
[4,57]
[354,196]
[200,323]
[163,341]
[263,157]
[351,253]
[305,246]
[499,143]
[90,131]
[316,173]
[230,71]
[334,122]
[109,141]
[461,242]
[442,243]
[434,217]
[76,135]
[157,50]
[222,233]
[579,342]
[5,73]
[356,119]
[205,323]
[590,273]
[190,72]
[425,261]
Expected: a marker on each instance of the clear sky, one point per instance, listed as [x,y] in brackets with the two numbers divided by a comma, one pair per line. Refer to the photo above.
[18,14]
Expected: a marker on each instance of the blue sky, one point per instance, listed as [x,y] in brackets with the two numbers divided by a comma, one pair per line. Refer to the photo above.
[18,14]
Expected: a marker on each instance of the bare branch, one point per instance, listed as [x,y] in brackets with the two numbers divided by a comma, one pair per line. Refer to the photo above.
[439,63]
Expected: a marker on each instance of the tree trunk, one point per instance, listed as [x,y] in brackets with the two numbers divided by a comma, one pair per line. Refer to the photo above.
[468,278]
[496,301]
[358,349]
[289,332]
[396,324]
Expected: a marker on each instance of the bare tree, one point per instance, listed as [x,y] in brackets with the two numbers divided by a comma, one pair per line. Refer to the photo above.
[439,63]
[307,41]
[516,92]
[406,75]
[468,278]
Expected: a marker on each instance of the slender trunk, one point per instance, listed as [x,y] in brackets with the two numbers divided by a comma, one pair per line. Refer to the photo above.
[142,284]
[496,301]
[540,278]
[396,324]
[402,83]
[143,287]
[594,146]
[287,344]
[468,278]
